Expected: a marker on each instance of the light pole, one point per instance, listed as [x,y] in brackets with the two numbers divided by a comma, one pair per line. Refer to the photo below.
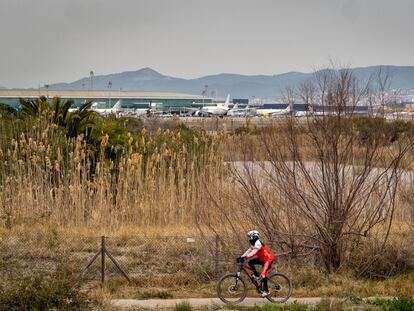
[109,88]
[204,92]
[47,91]
[91,75]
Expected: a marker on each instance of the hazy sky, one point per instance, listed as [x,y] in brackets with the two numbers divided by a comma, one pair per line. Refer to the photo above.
[45,41]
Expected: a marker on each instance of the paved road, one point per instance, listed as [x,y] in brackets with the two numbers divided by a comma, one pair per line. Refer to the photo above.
[196,302]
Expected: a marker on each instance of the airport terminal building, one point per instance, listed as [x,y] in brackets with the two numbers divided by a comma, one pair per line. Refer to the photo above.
[165,102]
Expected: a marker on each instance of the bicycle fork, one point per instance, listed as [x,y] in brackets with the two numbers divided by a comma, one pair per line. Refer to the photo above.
[237,279]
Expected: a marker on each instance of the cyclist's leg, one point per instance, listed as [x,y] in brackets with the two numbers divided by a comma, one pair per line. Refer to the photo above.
[252,263]
[266,266]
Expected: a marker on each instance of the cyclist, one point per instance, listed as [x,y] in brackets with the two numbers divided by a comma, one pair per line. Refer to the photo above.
[264,258]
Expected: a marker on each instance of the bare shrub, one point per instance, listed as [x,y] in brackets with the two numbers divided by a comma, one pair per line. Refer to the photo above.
[317,188]
[393,258]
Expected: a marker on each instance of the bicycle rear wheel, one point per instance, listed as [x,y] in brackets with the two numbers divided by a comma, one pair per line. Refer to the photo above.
[231,289]
[280,287]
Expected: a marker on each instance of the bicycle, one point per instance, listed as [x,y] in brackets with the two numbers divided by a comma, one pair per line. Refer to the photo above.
[232,289]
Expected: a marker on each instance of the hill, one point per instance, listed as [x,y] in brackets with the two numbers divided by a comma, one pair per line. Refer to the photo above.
[245,86]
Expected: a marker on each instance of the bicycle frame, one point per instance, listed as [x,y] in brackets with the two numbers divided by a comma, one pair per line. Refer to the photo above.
[249,273]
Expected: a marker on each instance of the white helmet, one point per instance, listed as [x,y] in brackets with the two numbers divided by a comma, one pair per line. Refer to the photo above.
[252,234]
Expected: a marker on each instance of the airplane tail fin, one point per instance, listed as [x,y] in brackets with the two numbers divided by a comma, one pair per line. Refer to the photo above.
[117,106]
[290,106]
[227,102]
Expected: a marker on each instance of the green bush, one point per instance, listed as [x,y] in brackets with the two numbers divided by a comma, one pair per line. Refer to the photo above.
[351,297]
[396,304]
[295,306]
[397,128]
[183,306]
[328,304]
[43,293]
[370,129]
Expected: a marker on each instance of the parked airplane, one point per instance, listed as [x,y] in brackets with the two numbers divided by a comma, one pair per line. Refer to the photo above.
[309,111]
[269,110]
[138,112]
[220,109]
[105,111]
[241,112]
[137,109]
[100,107]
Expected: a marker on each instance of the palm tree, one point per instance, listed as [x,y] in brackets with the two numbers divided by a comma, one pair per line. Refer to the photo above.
[34,107]
[7,111]
[76,123]
[61,111]
[81,121]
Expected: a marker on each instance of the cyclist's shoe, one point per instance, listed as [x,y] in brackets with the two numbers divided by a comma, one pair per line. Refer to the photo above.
[263,286]
[256,278]
[265,294]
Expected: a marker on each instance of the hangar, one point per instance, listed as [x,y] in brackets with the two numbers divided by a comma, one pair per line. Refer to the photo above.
[161,101]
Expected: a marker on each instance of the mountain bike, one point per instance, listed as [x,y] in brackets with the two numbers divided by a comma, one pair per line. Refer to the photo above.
[232,288]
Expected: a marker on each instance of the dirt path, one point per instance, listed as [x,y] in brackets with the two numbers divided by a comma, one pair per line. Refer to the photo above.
[196,302]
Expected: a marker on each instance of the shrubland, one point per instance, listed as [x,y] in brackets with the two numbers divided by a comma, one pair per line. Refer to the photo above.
[331,194]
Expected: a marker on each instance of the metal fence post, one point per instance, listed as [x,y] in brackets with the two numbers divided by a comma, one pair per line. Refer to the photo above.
[104,252]
[103,259]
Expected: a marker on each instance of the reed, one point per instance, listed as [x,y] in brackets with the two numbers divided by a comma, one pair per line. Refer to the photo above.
[162,181]
[155,180]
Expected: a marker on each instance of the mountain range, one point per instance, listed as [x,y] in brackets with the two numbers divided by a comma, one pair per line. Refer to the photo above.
[219,85]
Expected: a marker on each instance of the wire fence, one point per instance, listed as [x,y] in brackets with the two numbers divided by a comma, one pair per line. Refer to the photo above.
[161,261]
[140,259]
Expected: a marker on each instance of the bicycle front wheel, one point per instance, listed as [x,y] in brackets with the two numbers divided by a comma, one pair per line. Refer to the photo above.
[280,288]
[231,289]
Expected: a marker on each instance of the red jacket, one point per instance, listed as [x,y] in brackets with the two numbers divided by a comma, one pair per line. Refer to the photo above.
[262,252]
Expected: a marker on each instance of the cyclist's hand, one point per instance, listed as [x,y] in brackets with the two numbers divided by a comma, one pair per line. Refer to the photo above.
[240,259]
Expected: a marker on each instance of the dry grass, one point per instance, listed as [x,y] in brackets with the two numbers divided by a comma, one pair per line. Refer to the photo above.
[155,186]
[311,283]
[51,206]
[308,283]
[162,265]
